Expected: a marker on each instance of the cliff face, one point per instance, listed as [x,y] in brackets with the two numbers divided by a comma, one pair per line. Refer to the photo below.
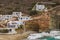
[8,6]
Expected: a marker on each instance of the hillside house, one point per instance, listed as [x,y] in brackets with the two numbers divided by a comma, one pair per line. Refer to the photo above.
[39,7]
[42,6]
[21,16]
[5,17]
[17,14]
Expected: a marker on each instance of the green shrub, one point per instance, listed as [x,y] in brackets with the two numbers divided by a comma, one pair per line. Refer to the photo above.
[33,12]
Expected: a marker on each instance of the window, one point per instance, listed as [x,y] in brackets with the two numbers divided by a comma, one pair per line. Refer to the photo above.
[21,18]
[26,18]
[7,16]
[16,13]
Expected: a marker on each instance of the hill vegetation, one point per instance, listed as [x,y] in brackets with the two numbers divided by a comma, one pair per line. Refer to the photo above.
[8,6]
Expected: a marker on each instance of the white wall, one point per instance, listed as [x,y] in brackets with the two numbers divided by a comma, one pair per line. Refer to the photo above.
[24,18]
[21,18]
[3,17]
[17,14]
[40,7]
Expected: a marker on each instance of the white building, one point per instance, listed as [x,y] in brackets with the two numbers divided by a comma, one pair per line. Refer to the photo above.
[7,17]
[17,14]
[21,16]
[40,7]
[15,24]
[4,17]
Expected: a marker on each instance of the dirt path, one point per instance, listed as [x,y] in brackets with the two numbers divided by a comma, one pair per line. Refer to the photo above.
[15,37]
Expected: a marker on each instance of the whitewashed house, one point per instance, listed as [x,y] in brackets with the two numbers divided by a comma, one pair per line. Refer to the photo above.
[21,16]
[39,7]
[17,14]
[5,17]
[14,24]
[42,6]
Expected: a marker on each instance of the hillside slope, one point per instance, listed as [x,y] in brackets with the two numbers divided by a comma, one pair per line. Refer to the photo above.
[8,6]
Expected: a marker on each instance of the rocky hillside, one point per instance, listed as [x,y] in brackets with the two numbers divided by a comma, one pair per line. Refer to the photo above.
[8,6]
